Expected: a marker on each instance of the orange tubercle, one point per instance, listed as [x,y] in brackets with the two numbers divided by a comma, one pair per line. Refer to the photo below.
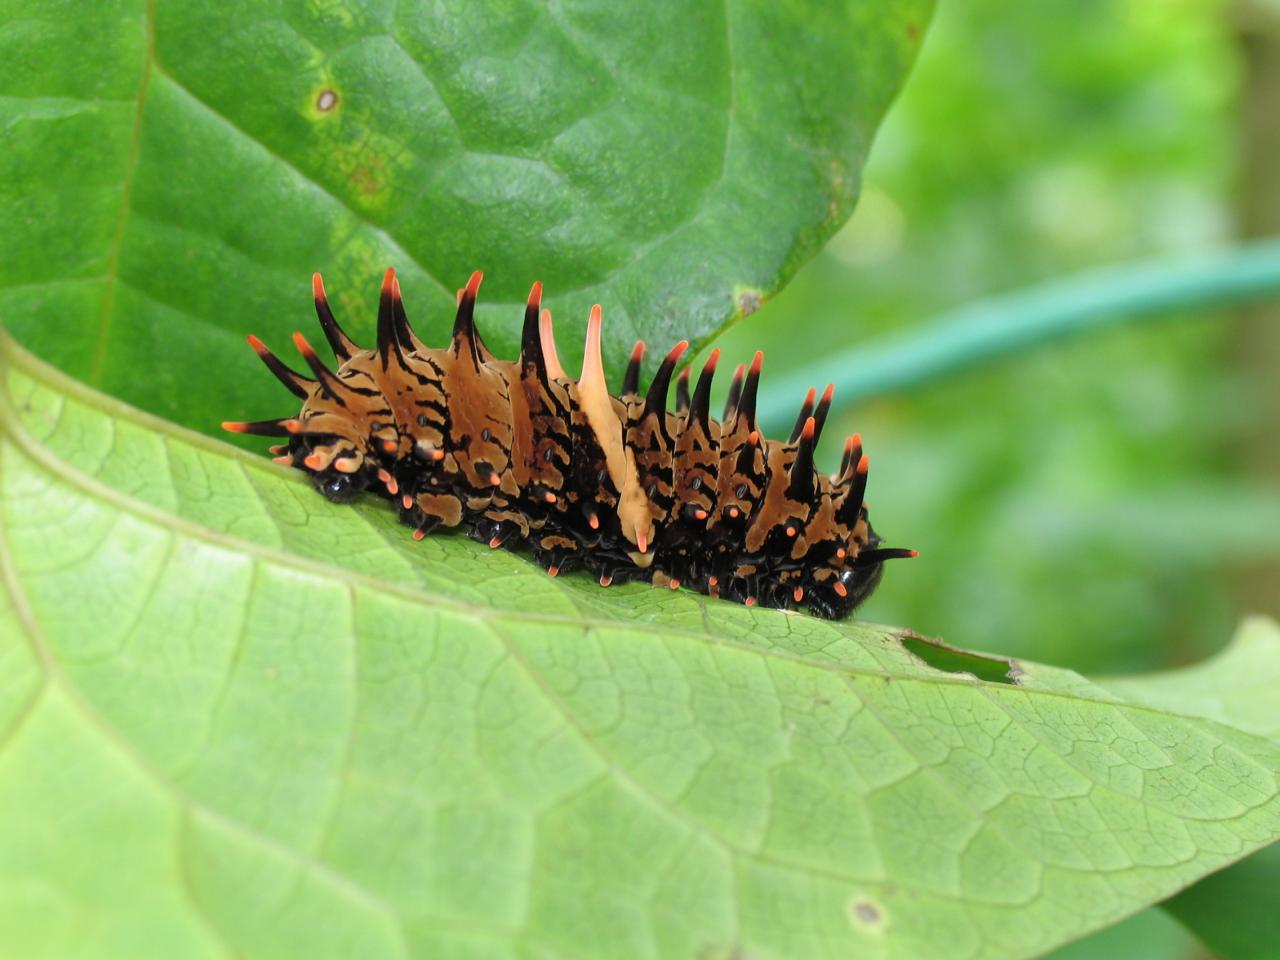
[300,342]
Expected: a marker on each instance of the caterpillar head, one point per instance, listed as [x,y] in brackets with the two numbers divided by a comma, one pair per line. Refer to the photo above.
[839,596]
[339,487]
[850,575]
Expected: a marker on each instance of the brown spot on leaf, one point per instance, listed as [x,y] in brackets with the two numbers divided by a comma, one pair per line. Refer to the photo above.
[866,913]
[717,951]
[748,302]
[367,180]
[326,100]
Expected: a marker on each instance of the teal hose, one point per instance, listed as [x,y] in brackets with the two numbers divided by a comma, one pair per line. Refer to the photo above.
[997,327]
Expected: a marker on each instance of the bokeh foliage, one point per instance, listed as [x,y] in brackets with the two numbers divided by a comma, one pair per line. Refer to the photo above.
[1087,484]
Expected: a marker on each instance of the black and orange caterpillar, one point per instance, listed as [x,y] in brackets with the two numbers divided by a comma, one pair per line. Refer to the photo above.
[518,451]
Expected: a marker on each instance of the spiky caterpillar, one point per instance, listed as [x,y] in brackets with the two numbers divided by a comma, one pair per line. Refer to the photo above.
[518,451]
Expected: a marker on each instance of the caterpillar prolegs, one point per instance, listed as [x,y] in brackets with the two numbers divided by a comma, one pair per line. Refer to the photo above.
[519,452]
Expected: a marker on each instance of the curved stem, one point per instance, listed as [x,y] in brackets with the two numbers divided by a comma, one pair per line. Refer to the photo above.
[994,328]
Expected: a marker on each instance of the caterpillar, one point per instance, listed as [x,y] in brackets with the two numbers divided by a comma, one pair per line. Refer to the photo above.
[519,452]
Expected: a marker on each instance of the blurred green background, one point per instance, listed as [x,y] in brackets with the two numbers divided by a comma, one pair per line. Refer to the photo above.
[1100,503]
[1107,503]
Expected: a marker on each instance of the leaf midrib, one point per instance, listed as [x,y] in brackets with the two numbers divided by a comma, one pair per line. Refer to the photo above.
[426,598]
[423,597]
[126,196]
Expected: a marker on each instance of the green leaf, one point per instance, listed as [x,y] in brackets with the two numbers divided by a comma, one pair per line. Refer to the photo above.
[1149,935]
[174,172]
[237,720]
[1240,686]
[1235,912]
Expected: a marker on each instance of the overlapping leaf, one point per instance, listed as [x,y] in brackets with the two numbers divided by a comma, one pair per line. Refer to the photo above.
[1235,912]
[174,172]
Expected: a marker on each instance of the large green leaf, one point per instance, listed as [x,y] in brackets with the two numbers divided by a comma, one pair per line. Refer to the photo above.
[1235,912]
[1240,686]
[238,720]
[173,172]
